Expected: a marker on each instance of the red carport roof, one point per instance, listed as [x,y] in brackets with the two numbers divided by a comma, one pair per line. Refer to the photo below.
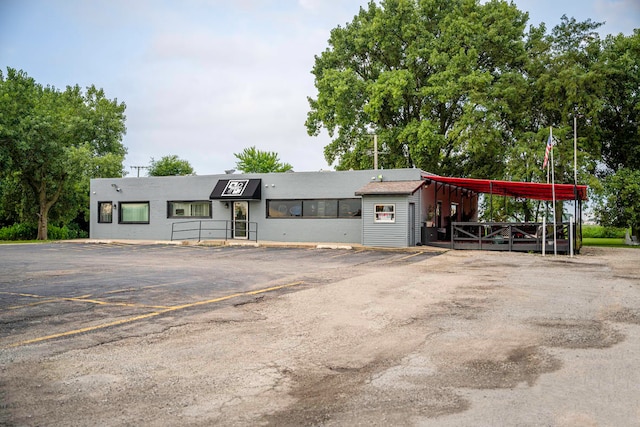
[527,190]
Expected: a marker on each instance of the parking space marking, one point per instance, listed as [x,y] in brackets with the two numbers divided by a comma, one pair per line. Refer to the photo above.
[259,291]
[345,253]
[149,315]
[121,291]
[120,304]
[83,298]
[409,256]
[19,294]
[88,329]
[33,304]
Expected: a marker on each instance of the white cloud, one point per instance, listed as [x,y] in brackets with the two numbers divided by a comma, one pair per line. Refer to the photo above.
[205,96]
[204,79]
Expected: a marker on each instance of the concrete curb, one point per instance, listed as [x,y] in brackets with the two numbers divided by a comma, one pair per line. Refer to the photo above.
[262,244]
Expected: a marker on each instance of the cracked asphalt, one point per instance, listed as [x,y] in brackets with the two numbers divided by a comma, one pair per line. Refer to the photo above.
[113,335]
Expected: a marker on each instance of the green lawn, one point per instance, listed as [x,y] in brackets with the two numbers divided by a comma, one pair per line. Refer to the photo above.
[604,241]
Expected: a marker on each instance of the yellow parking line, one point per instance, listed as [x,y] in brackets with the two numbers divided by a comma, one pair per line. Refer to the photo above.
[274,288]
[119,304]
[409,256]
[148,315]
[259,291]
[20,294]
[121,291]
[82,298]
[33,304]
[88,329]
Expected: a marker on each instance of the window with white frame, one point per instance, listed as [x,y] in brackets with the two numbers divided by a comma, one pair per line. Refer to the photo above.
[133,213]
[384,213]
[189,209]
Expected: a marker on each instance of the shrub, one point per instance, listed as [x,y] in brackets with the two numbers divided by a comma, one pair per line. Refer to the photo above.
[20,231]
[30,232]
[600,232]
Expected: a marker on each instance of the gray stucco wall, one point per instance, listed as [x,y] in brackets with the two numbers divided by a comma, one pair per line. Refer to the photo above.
[298,185]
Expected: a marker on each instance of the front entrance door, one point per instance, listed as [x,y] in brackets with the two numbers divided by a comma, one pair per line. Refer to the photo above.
[240,219]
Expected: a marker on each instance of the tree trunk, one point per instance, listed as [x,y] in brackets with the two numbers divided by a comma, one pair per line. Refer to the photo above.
[42,225]
[43,218]
[45,206]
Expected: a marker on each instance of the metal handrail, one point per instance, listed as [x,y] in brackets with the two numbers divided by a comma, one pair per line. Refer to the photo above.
[214,229]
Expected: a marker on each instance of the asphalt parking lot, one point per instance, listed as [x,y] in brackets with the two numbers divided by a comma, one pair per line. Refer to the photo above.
[59,291]
[156,335]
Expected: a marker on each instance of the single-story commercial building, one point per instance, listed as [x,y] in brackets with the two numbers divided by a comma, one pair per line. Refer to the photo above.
[387,208]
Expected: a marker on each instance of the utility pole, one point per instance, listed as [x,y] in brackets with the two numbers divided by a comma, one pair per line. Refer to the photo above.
[375,152]
[138,168]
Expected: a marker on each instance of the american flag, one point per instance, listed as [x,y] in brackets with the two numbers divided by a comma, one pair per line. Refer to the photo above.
[547,151]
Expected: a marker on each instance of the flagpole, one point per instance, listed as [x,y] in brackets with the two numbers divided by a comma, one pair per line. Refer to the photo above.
[575,180]
[546,207]
[544,228]
[575,151]
[544,220]
[553,196]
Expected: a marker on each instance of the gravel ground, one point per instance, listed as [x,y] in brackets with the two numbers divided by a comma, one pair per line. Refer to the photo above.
[463,338]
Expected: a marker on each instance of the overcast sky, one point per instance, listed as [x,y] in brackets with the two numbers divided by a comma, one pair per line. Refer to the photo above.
[204,79]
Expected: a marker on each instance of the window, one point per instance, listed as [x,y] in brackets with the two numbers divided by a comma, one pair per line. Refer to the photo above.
[319,208]
[384,213]
[314,208]
[105,212]
[133,213]
[196,209]
[284,208]
[350,208]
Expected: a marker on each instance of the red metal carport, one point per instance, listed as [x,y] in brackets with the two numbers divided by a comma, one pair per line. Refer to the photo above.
[526,190]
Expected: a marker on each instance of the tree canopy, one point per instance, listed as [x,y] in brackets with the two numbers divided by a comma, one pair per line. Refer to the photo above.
[620,206]
[51,143]
[619,118]
[430,78]
[464,88]
[170,166]
[252,160]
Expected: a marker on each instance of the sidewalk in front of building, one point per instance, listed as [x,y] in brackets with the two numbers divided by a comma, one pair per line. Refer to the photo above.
[264,244]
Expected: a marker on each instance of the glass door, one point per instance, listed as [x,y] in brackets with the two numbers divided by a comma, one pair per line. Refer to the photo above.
[240,218]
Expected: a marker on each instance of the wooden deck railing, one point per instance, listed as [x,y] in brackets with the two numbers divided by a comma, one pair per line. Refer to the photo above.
[505,236]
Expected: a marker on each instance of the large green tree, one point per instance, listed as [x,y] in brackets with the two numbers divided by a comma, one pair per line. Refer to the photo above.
[460,88]
[619,132]
[560,82]
[429,77]
[170,166]
[620,206]
[619,119]
[252,160]
[52,142]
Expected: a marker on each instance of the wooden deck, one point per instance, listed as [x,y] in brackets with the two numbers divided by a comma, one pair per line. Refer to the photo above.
[511,237]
